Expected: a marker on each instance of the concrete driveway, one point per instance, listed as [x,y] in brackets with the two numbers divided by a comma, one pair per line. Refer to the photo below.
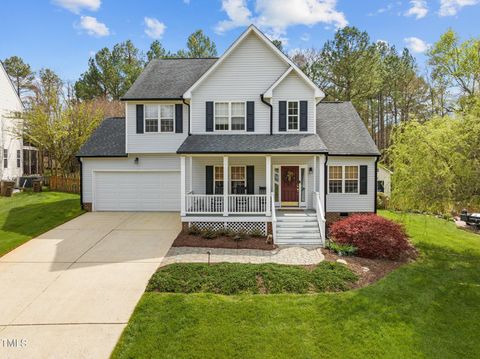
[70,292]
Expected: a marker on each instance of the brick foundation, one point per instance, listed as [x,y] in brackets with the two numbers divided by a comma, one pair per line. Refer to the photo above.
[87,206]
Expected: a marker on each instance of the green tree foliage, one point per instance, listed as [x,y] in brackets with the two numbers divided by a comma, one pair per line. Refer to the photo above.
[20,73]
[199,45]
[278,44]
[110,73]
[156,51]
[437,164]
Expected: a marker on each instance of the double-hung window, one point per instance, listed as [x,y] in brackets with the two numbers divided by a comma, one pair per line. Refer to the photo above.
[230,116]
[292,115]
[159,118]
[218,180]
[238,180]
[343,179]
[19,158]
[5,158]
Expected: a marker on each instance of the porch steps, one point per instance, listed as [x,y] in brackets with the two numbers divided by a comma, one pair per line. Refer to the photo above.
[297,228]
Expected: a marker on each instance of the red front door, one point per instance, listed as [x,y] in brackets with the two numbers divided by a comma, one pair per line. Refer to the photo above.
[290,184]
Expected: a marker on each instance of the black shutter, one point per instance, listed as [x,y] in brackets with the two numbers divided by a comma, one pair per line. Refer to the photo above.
[250,116]
[209,180]
[303,115]
[178,118]
[363,179]
[209,116]
[250,180]
[282,116]
[139,118]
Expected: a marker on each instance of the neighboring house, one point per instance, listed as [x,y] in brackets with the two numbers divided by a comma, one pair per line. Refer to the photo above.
[222,139]
[384,182]
[11,167]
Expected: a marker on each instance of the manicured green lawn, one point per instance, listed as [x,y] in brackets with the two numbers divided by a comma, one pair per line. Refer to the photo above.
[27,215]
[427,309]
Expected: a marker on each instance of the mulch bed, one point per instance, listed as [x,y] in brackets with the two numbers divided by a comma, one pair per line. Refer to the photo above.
[378,268]
[188,240]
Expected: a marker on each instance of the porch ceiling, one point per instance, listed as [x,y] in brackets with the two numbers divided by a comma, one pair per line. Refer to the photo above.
[280,143]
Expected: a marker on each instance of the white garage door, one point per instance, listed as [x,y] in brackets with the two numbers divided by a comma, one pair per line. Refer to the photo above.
[137,191]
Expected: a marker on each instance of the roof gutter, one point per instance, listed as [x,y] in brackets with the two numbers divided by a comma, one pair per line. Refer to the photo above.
[271,112]
[375,186]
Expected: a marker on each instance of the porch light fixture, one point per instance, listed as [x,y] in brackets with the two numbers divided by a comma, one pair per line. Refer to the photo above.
[310,170]
[136,160]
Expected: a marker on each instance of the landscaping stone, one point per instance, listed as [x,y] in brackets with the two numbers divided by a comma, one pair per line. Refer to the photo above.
[366,269]
[342,261]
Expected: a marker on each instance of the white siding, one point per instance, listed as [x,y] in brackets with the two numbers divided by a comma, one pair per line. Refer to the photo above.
[250,69]
[342,202]
[146,162]
[153,142]
[293,88]
[385,176]
[9,102]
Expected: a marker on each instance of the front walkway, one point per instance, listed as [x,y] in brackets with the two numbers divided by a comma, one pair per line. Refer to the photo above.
[70,292]
[305,255]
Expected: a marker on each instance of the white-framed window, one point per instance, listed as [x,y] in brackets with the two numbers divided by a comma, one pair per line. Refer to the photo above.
[5,158]
[218,180]
[292,115]
[19,158]
[343,179]
[238,179]
[230,116]
[159,118]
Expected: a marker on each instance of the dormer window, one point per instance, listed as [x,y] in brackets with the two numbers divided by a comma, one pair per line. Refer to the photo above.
[159,118]
[292,115]
[230,116]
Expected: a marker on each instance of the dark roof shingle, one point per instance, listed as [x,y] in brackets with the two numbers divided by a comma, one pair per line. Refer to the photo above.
[343,131]
[168,78]
[108,140]
[279,143]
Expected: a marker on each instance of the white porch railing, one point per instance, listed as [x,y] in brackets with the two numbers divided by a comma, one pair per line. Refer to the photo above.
[274,217]
[317,203]
[236,204]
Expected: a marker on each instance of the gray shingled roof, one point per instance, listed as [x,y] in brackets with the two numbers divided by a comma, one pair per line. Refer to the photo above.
[343,131]
[108,140]
[167,78]
[282,143]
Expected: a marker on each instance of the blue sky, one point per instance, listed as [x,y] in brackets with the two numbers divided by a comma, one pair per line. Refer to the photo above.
[62,34]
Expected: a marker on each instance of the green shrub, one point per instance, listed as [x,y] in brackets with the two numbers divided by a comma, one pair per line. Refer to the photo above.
[209,234]
[382,200]
[285,279]
[194,230]
[225,232]
[240,235]
[256,233]
[342,249]
[330,276]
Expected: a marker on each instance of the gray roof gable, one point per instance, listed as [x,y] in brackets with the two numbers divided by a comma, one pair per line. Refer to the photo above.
[343,131]
[166,79]
[108,140]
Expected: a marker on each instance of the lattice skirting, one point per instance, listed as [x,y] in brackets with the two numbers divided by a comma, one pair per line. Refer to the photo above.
[233,226]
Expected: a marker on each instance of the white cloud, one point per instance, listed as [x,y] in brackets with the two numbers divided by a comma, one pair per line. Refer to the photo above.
[155,28]
[416,45]
[418,9]
[93,27]
[451,7]
[76,6]
[275,16]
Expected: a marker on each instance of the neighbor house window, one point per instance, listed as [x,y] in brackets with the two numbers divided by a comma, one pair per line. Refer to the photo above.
[5,158]
[230,116]
[351,179]
[343,179]
[292,115]
[19,158]
[218,180]
[159,118]
[335,179]
[238,179]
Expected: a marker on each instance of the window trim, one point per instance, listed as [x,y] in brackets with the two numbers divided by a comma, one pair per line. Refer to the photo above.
[159,118]
[343,179]
[229,103]
[229,176]
[19,158]
[298,117]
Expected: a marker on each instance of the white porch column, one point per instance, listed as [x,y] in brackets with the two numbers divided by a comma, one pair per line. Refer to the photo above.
[225,185]
[314,173]
[321,179]
[190,174]
[182,185]
[268,171]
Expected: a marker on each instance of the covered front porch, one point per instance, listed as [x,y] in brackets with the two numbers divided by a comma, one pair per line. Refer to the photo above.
[247,185]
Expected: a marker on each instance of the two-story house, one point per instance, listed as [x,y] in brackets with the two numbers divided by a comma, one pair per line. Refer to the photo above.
[242,141]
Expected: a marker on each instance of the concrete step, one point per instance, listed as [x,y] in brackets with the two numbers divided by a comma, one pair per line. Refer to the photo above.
[314,235]
[293,231]
[295,241]
[297,225]
[296,219]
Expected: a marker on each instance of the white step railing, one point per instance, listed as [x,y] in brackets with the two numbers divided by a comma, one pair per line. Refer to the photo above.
[236,204]
[317,203]
[274,217]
